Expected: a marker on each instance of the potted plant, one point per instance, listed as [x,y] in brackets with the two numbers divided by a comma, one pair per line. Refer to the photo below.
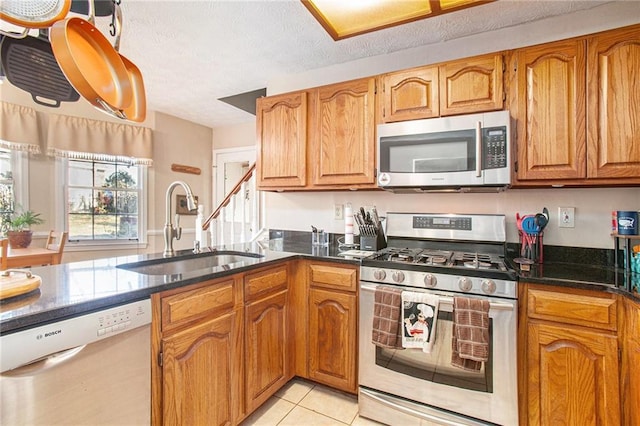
[18,228]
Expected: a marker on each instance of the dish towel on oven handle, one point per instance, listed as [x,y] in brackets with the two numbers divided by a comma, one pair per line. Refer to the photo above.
[419,317]
[470,334]
[386,317]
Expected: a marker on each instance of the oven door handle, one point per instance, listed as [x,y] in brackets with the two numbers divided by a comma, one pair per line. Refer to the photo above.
[494,305]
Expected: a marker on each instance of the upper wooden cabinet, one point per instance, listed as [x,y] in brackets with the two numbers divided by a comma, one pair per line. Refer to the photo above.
[342,136]
[574,103]
[570,131]
[472,85]
[319,139]
[613,120]
[281,139]
[458,87]
[410,94]
[551,84]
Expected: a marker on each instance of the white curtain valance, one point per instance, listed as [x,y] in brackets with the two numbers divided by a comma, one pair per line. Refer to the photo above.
[82,138]
[19,128]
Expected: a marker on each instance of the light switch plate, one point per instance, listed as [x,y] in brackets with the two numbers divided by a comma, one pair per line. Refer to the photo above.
[566,217]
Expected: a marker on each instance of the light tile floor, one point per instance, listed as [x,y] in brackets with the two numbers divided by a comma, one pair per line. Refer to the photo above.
[301,402]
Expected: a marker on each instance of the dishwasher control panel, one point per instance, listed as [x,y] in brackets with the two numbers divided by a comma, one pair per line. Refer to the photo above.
[122,318]
[27,346]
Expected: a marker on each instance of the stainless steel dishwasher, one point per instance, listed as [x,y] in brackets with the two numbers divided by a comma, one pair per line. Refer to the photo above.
[93,369]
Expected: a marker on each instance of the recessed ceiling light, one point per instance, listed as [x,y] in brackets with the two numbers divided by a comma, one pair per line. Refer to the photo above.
[348,18]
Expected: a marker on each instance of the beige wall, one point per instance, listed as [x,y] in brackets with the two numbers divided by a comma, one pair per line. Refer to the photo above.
[175,141]
[235,136]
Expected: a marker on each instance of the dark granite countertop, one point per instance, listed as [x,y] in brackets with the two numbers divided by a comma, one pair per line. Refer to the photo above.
[585,268]
[77,288]
[72,289]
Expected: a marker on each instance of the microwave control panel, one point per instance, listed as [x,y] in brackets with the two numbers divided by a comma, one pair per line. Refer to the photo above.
[494,147]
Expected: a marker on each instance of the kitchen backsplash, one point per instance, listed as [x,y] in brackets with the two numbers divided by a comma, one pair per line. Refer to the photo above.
[593,206]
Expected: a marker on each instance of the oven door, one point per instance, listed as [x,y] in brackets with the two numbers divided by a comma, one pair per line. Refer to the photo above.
[489,394]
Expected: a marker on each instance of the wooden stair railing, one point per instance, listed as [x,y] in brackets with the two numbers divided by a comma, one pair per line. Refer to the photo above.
[227,199]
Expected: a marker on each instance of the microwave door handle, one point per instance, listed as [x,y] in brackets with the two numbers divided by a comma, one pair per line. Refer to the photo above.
[479,149]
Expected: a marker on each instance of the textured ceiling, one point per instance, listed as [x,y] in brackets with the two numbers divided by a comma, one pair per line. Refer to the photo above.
[193,52]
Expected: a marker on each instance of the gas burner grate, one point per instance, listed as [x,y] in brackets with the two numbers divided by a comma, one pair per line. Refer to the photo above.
[401,257]
[477,265]
[473,257]
[477,261]
[397,255]
[434,257]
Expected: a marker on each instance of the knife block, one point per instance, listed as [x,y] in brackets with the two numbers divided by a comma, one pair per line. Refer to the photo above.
[373,243]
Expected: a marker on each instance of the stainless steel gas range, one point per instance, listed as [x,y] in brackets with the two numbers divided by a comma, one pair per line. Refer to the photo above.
[455,259]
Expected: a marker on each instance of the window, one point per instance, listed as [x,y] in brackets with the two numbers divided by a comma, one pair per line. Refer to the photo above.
[7,191]
[104,201]
[13,192]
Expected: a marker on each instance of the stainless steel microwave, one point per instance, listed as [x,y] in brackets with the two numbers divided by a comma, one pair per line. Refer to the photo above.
[460,153]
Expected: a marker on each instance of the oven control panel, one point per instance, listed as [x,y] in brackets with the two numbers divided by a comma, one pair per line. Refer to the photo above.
[460,223]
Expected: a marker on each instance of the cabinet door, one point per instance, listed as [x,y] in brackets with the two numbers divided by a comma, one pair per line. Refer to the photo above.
[202,374]
[332,339]
[342,150]
[281,139]
[267,354]
[573,376]
[472,85]
[551,129]
[614,104]
[410,94]
[630,366]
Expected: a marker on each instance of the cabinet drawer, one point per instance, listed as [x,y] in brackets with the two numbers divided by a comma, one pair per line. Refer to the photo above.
[265,281]
[209,299]
[582,308]
[333,277]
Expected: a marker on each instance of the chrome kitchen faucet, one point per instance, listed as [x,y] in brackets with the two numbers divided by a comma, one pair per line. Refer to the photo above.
[169,231]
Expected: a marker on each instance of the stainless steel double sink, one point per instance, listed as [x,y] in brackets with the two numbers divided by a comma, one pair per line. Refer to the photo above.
[190,263]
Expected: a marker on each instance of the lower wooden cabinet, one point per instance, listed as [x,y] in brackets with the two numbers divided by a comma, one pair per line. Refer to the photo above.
[571,372]
[266,333]
[630,364]
[223,347]
[197,373]
[267,353]
[573,376]
[332,329]
[200,370]
[332,338]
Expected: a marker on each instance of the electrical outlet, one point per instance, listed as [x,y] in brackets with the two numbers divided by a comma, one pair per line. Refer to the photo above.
[338,211]
[566,217]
